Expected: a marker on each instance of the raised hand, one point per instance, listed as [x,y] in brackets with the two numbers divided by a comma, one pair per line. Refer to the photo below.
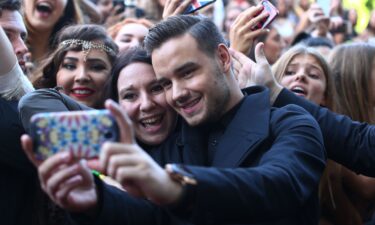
[68,182]
[242,33]
[133,168]
[250,73]
[175,7]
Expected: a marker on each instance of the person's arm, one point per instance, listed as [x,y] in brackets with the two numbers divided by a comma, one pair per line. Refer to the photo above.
[347,142]
[280,185]
[117,207]
[45,100]
[13,83]
[7,56]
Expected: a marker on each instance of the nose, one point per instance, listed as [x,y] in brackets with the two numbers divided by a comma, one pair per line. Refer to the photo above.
[147,103]
[82,75]
[300,76]
[20,48]
[179,94]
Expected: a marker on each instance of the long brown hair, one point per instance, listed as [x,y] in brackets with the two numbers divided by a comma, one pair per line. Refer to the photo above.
[352,71]
[45,75]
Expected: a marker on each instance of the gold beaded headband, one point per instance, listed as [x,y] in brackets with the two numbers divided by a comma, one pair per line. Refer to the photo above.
[87,46]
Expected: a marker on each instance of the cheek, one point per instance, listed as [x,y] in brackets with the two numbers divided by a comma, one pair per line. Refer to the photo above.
[285,81]
[161,101]
[60,6]
[130,108]
[100,80]
[64,80]
[318,88]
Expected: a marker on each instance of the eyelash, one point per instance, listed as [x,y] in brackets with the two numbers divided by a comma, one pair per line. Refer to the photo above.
[69,66]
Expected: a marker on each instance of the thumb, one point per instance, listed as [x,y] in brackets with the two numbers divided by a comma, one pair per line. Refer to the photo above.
[124,123]
[260,57]
[27,146]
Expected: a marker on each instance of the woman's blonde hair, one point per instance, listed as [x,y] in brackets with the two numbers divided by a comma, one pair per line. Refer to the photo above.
[283,62]
[352,66]
[113,30]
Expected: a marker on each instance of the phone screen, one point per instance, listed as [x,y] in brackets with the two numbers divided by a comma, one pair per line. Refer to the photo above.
[198,4]
[325,5]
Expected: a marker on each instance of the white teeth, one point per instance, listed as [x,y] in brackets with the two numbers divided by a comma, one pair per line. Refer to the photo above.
[82,92]
[298,90]
[151,121]
[44,6]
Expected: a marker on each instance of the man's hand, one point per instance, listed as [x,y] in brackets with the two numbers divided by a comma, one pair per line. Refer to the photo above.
[242,33]
[175,7]
[132,167]
[68,183]
[250,73]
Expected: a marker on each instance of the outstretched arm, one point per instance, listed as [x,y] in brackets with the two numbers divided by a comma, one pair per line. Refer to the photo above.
[7,56]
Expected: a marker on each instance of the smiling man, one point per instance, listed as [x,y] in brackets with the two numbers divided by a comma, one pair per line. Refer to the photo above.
[262,161]
[238,160]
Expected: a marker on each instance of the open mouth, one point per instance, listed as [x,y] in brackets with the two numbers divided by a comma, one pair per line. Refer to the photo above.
[44,7]
[299,90]
[152,121]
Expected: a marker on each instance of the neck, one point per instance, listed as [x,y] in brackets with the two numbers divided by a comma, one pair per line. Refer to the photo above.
[236,94]
[39,44]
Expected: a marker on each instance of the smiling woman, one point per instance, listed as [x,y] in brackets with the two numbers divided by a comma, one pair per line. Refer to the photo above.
[142,97]
[81,64]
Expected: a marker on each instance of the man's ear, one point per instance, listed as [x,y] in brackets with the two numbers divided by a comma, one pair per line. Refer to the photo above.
[224,57]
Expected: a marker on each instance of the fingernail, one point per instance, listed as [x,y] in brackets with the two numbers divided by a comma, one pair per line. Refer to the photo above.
[83,163]
[65,156]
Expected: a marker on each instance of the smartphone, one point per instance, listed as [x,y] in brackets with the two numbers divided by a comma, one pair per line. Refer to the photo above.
[80,132]
[198,4]
[122,5]
[325,5]
[130,3]
[272,11]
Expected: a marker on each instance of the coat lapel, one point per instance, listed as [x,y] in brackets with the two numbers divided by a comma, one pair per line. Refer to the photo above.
[247,130]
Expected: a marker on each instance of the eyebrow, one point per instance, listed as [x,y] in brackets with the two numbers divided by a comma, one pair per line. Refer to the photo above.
[312,65]
[185,66]
[91,60]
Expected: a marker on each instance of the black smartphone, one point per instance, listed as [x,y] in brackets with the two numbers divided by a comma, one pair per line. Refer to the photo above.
[80,132]
[198,4]
[121,3]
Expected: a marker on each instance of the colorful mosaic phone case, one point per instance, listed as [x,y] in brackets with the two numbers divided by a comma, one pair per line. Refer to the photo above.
[81,132]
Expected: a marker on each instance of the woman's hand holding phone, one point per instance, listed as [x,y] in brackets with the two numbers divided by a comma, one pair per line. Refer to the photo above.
[242,33]
[175,7]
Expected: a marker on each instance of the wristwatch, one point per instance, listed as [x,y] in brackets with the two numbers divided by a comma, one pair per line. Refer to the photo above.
[180,174]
